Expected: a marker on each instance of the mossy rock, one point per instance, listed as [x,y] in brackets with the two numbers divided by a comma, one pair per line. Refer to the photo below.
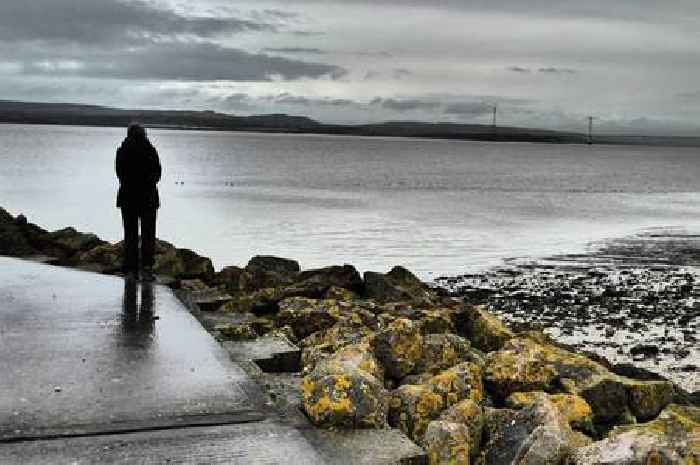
[398,285]
[437,321]
[485,331]
[462,381]
[442,351]
[646,399]
[574,408]
[671,439]
[399,348]
[306,316]
[446,443]
[340,395]
[470,414]
[236,332]
[413,407]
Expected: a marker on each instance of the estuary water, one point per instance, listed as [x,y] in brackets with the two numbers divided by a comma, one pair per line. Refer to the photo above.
[437,207]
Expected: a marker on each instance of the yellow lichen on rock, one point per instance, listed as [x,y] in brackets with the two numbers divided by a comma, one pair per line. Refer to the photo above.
[462,381]
[446,443]
[412,407]
[574,408]
[337,394]
[398,347]
[485,330]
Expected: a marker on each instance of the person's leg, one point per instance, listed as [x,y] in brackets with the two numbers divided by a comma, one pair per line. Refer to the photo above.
[148,238]
[130,260]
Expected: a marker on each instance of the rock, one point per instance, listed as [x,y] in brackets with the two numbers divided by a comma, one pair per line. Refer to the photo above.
[524,365]
[266,271]
[181,263]
[399,348]
[306,316]
[446,443]
[234,279]
[631,371]
[18,238]
[337,394]
[538,434]
[671,439]
[575,409]
[484,330]
[413,407]
[398,285]
[646,399]
[645,350]
[358,356]
[437,321]
[442,351]
[105,258]
[5,217]
[338,293]
[460,382]
[315,283]
[67,244]
[495,419]
[468,413]
[321,344]
[236,332]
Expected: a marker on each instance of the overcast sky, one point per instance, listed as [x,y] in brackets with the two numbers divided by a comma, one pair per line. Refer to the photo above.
[631,63]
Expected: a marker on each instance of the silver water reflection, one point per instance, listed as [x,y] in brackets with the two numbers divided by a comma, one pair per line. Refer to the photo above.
[434,206]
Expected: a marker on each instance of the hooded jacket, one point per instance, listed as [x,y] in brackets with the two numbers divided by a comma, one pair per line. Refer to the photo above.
[138,169]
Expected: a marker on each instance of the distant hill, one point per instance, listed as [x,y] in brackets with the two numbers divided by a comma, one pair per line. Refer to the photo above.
[93,115]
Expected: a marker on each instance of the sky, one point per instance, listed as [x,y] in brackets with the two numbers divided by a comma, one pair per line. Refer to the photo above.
[632,64]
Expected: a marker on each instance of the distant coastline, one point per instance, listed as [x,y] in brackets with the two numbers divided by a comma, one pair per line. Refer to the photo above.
[13,112]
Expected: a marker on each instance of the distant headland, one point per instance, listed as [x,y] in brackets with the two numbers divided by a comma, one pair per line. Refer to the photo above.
[92,115]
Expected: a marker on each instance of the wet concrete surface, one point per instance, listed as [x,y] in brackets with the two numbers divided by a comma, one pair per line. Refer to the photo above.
[82,353]
[252,443]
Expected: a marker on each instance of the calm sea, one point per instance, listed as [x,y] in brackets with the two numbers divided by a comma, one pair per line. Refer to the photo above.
[437,207]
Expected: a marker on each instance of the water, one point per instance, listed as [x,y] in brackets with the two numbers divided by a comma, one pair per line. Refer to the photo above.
[437,207]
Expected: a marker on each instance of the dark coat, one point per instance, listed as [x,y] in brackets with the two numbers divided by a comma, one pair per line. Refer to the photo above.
[138,169]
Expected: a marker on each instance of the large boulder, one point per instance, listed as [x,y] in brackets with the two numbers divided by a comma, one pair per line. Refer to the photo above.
[413,407]
[446,443]
[525,365]
[346,331]
[462,381]
[398,285]
[671,439]
[181,263]
[105,258]
[67,244]
[468,413]
[358,356]
[339,394]
[442,351]
[575,409]
[537,435]
[306,316]
[316,283]
[399,348]
[269,271]
[234,279]
[18,237]
[486,332]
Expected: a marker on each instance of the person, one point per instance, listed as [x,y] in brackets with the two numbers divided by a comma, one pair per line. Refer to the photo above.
[139,171]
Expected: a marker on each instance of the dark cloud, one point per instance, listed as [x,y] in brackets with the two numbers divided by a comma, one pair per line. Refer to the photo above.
[468,108]
[292,50]
[109,22]
[553,70]
[519,69]
[185,61]
[405,105]
[400,73]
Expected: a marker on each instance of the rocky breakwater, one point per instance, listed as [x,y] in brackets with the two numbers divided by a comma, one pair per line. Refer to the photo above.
[384,350]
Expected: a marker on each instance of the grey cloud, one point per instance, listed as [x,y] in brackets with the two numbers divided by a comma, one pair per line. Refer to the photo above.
[553,70]
[188,61]
[405,105]
[400,73]
[292,50]
[468,108]
[519,69]
[108,22]
[689,96]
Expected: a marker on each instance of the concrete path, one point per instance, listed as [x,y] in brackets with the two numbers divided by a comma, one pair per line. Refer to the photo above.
[95,370]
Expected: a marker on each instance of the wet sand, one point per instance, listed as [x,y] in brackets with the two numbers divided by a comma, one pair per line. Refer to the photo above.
[634,300]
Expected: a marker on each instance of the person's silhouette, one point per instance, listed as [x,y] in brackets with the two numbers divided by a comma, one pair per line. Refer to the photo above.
[139,171]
